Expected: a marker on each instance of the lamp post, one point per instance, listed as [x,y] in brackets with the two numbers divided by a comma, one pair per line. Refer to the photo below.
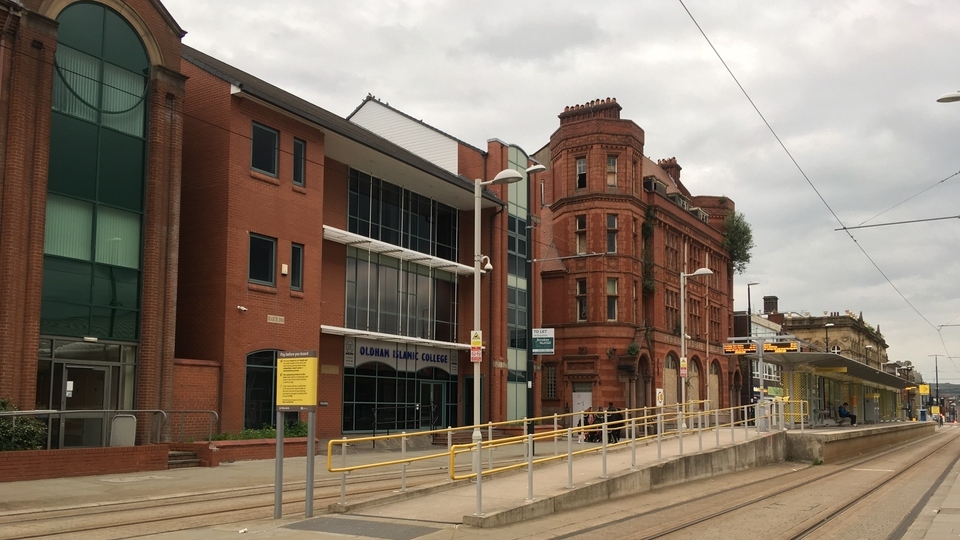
[683,333]
[531,285]
[826,337]
[506,176]
[750,306]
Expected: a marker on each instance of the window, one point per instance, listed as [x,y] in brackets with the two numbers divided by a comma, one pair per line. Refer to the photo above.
[581,173]
[550,381]
[611,299]
[671,251]
[581,232]
[671,314]
[299,162]
[612,171]
[296,267]
[611,233]
[263,256]
[265,149]
[581,299]
[260,392]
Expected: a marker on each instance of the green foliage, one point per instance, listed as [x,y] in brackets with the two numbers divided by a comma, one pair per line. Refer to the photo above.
[738,239]
[266,432]
[633,349]
[25,434]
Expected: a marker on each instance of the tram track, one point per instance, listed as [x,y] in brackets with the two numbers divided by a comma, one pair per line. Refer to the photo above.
[141,517]
[787,498]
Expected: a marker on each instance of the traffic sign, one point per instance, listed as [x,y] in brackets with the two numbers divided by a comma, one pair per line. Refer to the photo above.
[476,338]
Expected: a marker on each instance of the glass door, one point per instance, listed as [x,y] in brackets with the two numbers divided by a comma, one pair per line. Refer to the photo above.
[433,406]
[84,388]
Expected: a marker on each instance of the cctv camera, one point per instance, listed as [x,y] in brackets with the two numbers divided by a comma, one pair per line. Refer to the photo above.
[487,267]
[241,308]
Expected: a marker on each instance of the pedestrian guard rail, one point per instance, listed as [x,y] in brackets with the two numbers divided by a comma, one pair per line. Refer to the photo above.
[642,426]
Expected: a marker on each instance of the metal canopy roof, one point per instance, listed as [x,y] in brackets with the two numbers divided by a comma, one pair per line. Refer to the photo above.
[394,338]
[376,246]
[854,369]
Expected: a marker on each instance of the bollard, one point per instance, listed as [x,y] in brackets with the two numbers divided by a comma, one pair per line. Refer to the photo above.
[569,458]
[716,424]
[603,447]
[556,428]
[633,444]
[660,435]
[700,429]
[680,423]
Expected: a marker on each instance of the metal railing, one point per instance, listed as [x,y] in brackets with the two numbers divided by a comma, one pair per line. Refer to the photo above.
[646,425]
[47,416]
[212,419]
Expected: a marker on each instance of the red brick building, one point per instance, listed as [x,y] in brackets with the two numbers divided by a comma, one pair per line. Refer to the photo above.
[91,112]
[617,230]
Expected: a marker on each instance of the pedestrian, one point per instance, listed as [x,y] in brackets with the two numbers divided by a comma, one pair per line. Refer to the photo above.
[845,413]
[615,417]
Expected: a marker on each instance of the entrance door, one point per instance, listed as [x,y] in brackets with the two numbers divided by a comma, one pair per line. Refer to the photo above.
[433,406]
[581,400]
[84,389]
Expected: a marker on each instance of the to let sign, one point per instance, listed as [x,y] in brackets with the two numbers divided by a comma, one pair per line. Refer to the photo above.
[543,340]
[297,381]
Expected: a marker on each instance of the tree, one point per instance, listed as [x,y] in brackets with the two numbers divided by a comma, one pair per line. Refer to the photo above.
[738,239]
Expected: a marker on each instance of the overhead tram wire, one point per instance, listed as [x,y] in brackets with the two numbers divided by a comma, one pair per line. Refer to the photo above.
[799,168]
[910,198]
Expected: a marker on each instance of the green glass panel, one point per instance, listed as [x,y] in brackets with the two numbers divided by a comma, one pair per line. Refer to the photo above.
[68,227]
[66,280]
[122,46]
[116,287]
[113,323]
[118,237]
[81,27]
[73,157]
[121,170]
[62,319]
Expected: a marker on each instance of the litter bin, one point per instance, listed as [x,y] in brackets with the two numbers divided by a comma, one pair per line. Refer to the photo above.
[923,415]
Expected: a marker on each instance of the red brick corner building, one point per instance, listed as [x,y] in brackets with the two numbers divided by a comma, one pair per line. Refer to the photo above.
[617,231]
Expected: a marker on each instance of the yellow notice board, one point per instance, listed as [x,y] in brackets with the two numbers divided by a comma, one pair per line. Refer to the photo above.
[297,380]
[924,389]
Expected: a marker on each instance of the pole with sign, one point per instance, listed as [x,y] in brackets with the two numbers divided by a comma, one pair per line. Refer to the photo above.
[296,391]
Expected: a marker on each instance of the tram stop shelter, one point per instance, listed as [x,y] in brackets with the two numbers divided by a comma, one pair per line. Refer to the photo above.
[827,380]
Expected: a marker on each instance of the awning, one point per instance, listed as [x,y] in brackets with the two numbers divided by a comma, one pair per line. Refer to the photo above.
[851,368]
[393,338]
[404,254]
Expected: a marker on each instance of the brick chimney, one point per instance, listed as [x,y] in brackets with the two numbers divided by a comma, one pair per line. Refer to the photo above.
[671,167]
[770,304]
[598,108]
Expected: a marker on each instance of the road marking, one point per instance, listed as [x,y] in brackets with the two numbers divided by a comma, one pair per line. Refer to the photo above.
[876,470]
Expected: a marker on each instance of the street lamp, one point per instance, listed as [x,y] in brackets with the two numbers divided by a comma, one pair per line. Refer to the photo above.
[949,97]
[506,176]
[531,285]
[683,333]
[750,305]
[826,337]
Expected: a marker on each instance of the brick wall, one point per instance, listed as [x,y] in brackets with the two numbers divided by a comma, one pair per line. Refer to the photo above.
[197,389]
[41,464]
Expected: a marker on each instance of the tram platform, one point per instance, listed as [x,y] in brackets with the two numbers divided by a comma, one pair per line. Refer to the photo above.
[506,498]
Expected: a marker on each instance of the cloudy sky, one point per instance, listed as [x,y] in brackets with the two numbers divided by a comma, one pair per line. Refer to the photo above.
[849,87]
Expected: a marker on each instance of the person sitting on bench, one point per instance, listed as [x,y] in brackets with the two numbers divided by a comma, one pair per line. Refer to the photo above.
[844,413]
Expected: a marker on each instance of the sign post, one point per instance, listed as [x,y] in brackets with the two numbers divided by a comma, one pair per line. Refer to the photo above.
[296,391]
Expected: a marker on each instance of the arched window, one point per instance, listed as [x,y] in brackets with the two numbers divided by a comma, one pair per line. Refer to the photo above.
[94,214]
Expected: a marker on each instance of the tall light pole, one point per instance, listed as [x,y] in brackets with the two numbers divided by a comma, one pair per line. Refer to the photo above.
[506,176]
[750,305]
[683,332]
[531,285]
[826,337]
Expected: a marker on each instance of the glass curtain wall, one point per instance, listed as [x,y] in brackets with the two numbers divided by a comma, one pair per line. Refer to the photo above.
[518,249]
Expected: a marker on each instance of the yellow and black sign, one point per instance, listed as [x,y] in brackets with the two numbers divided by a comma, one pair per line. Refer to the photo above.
[751,348]
[781,347]
[924,389]
[739,348]
[297,381]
